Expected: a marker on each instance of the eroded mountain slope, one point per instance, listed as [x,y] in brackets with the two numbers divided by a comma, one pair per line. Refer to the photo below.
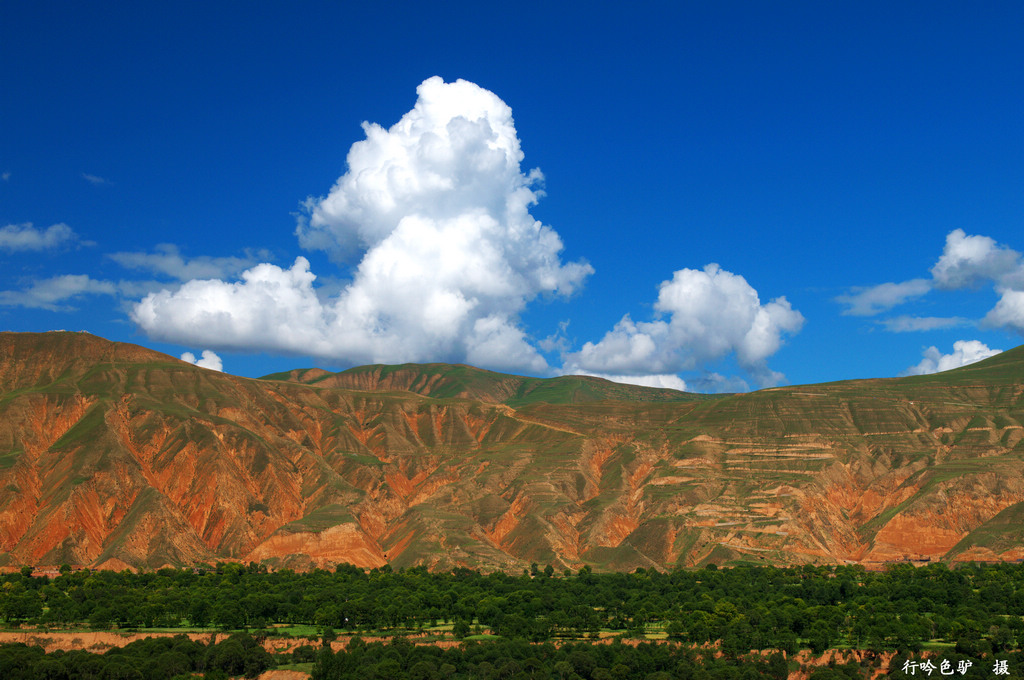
[114,455]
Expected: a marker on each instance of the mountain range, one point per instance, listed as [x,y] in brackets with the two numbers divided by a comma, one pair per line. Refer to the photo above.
[116,456]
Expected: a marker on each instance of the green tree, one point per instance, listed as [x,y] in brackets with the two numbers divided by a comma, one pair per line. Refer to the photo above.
[778,669]
[819,637]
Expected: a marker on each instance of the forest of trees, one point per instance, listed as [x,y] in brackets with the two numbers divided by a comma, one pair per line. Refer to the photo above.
[150,659]
[518,660]
[976,610]
[178,658]
[978,606]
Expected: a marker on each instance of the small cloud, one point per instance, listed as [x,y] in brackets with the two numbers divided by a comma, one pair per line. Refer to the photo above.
[16,237]
[913,324]
[49,293]
[168,260]
[667,381]
[1008,312]
[964,352]
[716,383]
[207,360]
[95,180]
[967,262]
[877,299]
[139,289]
[557,341]
[5,176]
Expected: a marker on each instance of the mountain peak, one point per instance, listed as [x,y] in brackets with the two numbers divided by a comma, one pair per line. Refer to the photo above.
[30,359]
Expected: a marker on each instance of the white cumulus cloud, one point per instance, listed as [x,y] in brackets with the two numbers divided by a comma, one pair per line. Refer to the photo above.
[966,261]
[711,313]
[964,352]
[16,237]
[434,211]
[269,307]
[1008,312]
[208,360]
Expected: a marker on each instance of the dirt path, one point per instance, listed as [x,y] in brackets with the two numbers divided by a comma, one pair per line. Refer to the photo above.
[100,641]
[91,641]
[283,675]
[840,656]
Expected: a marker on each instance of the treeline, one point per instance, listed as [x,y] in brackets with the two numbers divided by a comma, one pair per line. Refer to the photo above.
[179,658]
[149,659]
[977,607]
[520,660]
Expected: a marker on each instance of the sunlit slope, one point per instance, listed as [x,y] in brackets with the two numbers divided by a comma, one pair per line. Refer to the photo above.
[867,470]
[112,454]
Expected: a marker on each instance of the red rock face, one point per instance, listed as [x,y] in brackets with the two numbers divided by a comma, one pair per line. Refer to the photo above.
[340,543]
[114,455]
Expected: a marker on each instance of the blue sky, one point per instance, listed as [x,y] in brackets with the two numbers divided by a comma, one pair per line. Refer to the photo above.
[733,195]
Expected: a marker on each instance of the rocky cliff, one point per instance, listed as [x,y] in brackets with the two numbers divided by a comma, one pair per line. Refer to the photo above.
[114,455]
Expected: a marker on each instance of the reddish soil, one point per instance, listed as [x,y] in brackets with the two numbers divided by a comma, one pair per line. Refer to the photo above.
[283,675]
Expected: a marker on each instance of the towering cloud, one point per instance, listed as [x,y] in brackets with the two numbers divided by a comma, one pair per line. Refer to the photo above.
[432,221]
[434,214]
